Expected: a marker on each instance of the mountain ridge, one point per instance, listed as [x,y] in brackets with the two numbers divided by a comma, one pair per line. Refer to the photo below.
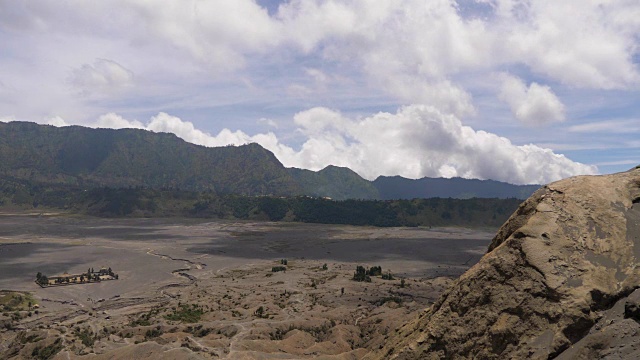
[134,157]
[398,187]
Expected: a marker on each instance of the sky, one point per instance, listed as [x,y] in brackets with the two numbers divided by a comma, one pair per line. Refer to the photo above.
[525,92]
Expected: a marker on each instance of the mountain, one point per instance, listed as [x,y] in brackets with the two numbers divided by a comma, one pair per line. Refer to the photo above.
[560,280]
[397,187]
[131,157]
[87,157]
[334,182]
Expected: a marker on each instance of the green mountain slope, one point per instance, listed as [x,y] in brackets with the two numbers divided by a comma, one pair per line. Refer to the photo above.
[397,187]
[129,157]
[91,158]
[335,182]
[17,195]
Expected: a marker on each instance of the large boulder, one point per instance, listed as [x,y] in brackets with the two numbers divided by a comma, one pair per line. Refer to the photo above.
[554,269]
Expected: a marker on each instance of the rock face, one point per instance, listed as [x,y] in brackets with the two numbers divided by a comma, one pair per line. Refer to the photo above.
[557,281]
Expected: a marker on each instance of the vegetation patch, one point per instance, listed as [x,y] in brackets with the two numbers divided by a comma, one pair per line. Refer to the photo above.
[87,337]
[16,301]
[164,201]
[364,274]
[144,319]
[387,299]
[261,313]
[361,274]
[153,333]
[199,330]
[186,313]
[47,352]
[23,338]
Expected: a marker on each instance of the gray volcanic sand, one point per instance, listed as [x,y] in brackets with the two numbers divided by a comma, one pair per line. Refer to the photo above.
[225,268]
[141,250]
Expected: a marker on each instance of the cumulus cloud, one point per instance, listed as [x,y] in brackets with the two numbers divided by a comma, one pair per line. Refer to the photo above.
[587,44]
[347,54]
[420,141]
[103,76]
[268,122]
[166,123]
[533,105]
[414,142]
[115,121]
[416,51]
[56,121]
[186,130]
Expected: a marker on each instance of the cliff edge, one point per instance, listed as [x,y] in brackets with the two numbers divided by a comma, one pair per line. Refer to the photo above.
[559,280]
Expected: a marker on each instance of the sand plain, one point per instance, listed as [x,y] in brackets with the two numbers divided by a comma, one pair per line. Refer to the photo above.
[201,288]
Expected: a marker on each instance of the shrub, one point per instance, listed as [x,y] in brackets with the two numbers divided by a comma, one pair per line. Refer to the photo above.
[186,313]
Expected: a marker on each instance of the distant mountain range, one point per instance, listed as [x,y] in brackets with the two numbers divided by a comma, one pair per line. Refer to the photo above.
[397,187]
[89,157]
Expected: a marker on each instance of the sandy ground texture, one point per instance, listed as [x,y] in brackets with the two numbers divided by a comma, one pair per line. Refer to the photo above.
[192,288]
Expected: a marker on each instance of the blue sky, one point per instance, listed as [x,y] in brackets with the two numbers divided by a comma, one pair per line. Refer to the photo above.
[518,91]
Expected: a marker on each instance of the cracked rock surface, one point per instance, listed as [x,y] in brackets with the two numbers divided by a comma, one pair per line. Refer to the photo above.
[558,281]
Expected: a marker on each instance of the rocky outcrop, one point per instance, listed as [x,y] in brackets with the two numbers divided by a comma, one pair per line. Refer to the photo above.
[563,261]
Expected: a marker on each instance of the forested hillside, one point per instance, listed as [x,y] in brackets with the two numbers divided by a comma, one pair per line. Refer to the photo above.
[397,187]
[90,158]
[120,158]
[146,202]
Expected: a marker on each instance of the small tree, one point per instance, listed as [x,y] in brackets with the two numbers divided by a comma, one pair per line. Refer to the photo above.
[375,271]
[361,274]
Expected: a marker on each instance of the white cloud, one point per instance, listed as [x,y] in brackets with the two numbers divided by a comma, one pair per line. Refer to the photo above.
[415,51]
[186,130]
[56,121]
[217,33]
[115,121]
[534,105]
[8,118]
[608,126]
[103,76]
[416,141]
[268,122]
[406,48]
[580,43]
[196,56]
[421,141]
